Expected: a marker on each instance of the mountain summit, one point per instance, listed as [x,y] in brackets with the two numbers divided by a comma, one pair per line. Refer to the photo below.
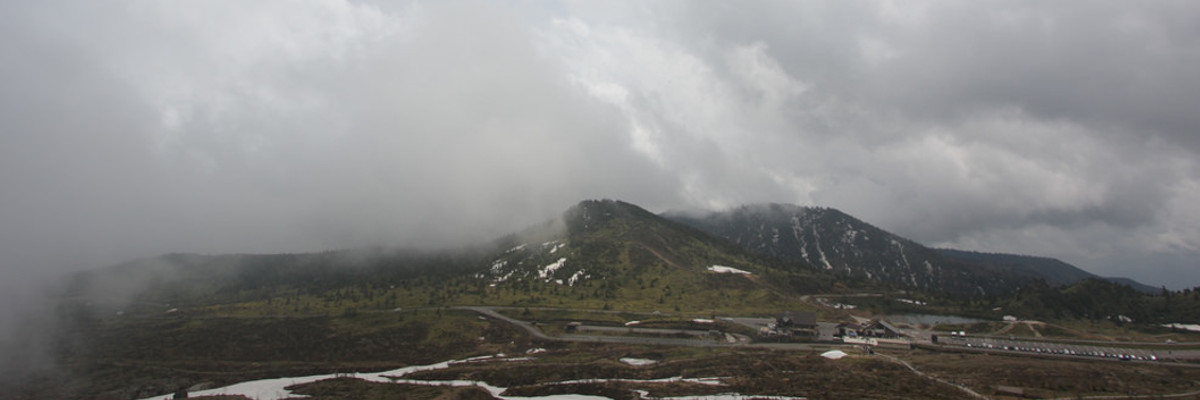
[607,250]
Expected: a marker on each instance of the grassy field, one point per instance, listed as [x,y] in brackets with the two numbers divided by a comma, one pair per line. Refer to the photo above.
[749,372]
[134,357]
[152,351]
[1045,378]
[139,357]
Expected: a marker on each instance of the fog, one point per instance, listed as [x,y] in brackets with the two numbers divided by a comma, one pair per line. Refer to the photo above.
[130,129]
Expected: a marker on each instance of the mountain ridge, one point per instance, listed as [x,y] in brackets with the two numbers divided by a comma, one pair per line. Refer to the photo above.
[843,244]
[609,250]
[839,243]
[616,250]
[1053,271]
[597,254]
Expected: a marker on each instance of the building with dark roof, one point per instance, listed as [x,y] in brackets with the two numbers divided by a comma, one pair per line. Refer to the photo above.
[796,320]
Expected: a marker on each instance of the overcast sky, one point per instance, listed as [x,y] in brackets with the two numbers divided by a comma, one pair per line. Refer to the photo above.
[129,129]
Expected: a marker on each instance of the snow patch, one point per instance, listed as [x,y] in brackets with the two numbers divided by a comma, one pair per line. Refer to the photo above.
[637,362]
[834,354]
[796,229]
[632,323]
[703,321]
[578,275]
[821,253]
[275,389]
[720,269]
[1186,327]
[505,277]
[549,269]
[839,306]
[903,257]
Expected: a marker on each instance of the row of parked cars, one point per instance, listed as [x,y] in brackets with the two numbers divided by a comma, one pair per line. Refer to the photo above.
[1051,348]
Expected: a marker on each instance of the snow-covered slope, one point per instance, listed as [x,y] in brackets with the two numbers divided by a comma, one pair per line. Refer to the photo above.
[546,262]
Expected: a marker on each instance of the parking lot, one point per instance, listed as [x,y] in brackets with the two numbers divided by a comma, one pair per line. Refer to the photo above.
[1047,348]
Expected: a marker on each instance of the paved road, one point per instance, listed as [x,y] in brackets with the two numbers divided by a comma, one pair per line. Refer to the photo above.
[825,330]
[704,334]
[979,344]
[491,313]
[653,331]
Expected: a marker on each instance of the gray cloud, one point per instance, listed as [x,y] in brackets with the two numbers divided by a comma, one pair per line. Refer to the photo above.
[134,129]
[1055,129]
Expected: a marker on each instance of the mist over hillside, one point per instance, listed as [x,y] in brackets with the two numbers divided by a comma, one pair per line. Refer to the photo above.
[189,320]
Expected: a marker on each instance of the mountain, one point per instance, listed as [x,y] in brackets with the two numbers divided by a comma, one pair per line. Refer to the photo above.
[839,243]
[836,242]
[1053,271]
[600,253]
[177,321]
[596,253]
[605,251]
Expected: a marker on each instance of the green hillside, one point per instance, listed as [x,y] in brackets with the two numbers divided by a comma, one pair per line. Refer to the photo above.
[1100,299]
[599,254]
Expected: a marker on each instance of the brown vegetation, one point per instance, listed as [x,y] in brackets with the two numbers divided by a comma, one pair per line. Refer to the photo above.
[1055,377]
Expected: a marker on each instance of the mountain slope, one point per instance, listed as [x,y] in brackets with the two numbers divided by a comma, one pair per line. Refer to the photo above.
[609,251]
[1053,271]
[838,243]
[597,254]
[1138,286]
